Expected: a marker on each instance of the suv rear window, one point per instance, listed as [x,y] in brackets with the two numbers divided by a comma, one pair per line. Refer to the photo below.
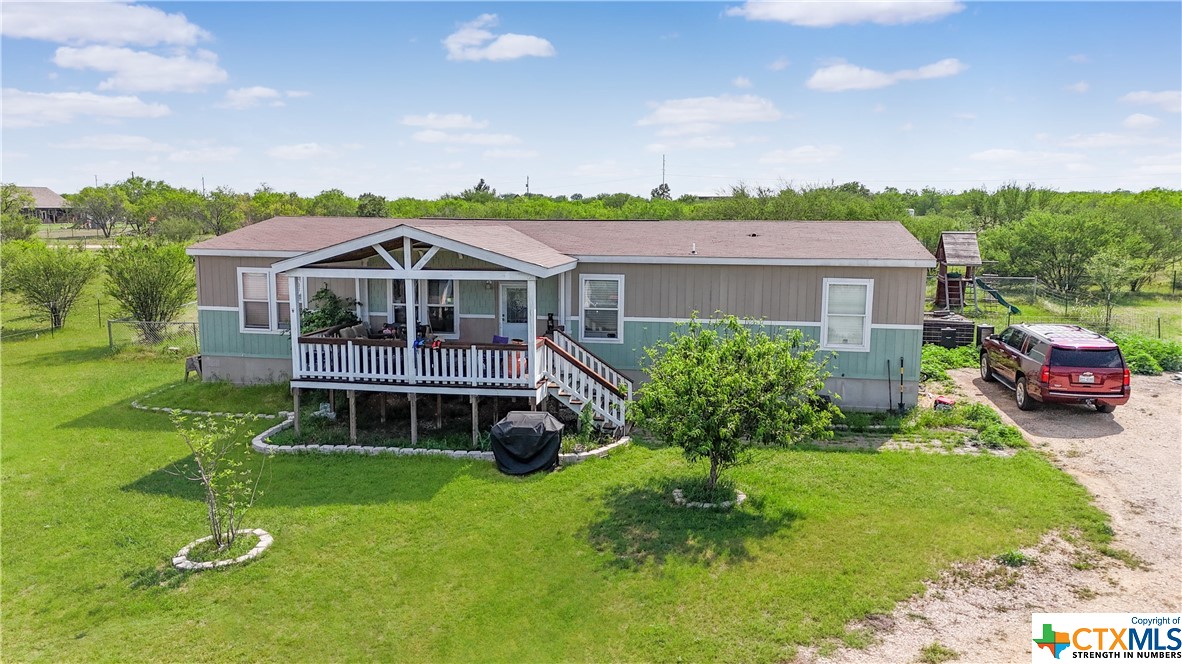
[1099,359]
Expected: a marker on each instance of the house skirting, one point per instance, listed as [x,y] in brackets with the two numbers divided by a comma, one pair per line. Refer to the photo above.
[245,370]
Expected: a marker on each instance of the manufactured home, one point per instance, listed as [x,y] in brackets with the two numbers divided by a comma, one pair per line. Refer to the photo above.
[552,308]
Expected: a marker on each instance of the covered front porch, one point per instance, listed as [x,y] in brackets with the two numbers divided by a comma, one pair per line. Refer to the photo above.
[416,339]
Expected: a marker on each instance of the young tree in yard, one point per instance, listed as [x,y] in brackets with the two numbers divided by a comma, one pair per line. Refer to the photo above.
[152,281]
[717,389]
[104,208]
[47,279]
[230,487]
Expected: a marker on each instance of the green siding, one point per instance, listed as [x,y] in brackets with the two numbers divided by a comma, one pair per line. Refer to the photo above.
[476,299]
[548,297]
[884,344]
[220,336]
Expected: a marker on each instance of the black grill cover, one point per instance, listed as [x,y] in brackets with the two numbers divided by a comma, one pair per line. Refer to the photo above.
[526,442]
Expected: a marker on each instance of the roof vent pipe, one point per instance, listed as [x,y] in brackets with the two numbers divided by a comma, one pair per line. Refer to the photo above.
[693,248]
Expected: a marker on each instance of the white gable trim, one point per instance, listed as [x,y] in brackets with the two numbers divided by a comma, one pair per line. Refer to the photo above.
[420,235]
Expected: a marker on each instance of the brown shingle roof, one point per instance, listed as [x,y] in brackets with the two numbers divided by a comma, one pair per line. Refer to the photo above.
[505,241]
[829,240]
[960,248]
[44,197]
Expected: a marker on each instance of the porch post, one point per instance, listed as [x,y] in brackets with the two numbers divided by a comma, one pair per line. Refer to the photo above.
[412,321]
[531,336]
[352,416]
[414,418]
[438,412]
[294,297]
[475,421]
[295,398]
[382,406]
[562,295]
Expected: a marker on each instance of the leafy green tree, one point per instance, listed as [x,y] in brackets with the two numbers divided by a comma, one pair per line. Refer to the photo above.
[152,281]
[15,221]
[661,192]
[221,211]
[1109,270]
[104,208]
[1051,246]
[372,205]
[481,193]
[45,279]
[266,203]
[333,203]
[329,309]
[718,389]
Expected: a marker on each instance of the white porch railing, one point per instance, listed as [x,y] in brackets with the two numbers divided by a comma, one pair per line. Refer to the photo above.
[380,361]
[574,378]
[590,360]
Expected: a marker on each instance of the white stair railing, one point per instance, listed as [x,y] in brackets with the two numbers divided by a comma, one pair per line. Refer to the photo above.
[579,386]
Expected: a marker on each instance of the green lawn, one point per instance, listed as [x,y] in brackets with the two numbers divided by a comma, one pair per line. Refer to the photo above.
[416,558]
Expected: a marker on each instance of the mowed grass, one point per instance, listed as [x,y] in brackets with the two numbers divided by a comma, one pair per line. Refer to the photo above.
[425,559]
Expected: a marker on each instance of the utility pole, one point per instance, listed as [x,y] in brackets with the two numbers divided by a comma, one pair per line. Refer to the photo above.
[662,169]
[527,185]
[202,185]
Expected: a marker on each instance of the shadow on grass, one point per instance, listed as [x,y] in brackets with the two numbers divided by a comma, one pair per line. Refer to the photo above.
[120,416]
[162,576]
[642,527]
[309,480]
[83,355]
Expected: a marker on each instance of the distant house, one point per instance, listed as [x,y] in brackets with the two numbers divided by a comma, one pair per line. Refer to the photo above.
[48,205]
[615,287]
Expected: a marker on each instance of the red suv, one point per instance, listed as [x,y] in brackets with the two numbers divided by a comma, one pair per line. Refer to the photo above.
[1057,364]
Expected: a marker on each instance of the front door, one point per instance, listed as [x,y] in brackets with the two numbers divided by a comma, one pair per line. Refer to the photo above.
[514,311]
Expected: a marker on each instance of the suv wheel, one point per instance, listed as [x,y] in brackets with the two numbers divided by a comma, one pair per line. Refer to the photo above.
[986,370]
[1022,396]
[1105,408]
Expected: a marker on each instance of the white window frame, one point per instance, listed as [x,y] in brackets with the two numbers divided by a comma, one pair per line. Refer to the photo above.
[864,347]
[425,307]
[619,279]
[272,317]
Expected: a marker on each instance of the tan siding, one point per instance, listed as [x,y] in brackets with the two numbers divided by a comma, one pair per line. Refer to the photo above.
[775,293]
[217,276]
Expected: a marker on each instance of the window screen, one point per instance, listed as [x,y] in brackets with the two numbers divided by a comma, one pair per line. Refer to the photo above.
[255,301]
[846,314]
[601,308]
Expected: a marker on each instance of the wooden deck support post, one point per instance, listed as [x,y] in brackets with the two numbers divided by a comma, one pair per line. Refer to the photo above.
[475,421]
[438,412]
[382,406]
[295,399]
[533,403]
[352,416]
[414,418]
[332,400]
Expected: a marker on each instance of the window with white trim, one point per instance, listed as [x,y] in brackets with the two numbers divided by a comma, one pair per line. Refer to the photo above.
[397,310]
[602,307]
[845,314]
[263,301]
[441,306]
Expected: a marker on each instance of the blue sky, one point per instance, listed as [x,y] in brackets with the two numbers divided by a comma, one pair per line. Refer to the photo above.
[408,99]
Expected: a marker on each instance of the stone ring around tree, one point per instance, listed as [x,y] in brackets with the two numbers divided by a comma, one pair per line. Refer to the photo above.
[181,560]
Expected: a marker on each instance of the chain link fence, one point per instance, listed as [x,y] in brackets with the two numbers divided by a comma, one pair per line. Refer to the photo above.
[163,337]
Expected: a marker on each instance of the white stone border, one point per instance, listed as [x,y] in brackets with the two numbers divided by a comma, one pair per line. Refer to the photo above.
[679,500]
[205,413]
[261,444]
[181,560]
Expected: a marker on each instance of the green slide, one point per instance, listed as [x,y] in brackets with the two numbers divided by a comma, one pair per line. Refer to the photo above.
[1001,300]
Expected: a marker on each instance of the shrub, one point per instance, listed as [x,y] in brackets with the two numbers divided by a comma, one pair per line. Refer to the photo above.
[152,281]
[331,309]
[1013,558]
[1141,362]
[47,279]
[1000,435]
[1166,355]
[935,360]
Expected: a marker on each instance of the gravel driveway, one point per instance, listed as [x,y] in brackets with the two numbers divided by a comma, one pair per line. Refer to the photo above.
[1131,461]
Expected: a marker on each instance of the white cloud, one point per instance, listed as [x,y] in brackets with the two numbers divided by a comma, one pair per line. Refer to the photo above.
[299,151]
[700,111]
[1108,140]
[1141,121]
[844,76]
[472,42]
[510,154]
[115,142]
[1025,157]
[443,137]
[98,22]
[779,64]
[244,98]
[687,128]
[205,155]
[1079,87]
[741,82]
[1079,59]
[444,121]
[805,154]
[140,71]
[1168,100]
[297,93]
[35,109]
[965,116]
[829,14]
[1166,164]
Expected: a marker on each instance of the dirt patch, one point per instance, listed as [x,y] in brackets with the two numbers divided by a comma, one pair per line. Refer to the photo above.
[1131,461]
